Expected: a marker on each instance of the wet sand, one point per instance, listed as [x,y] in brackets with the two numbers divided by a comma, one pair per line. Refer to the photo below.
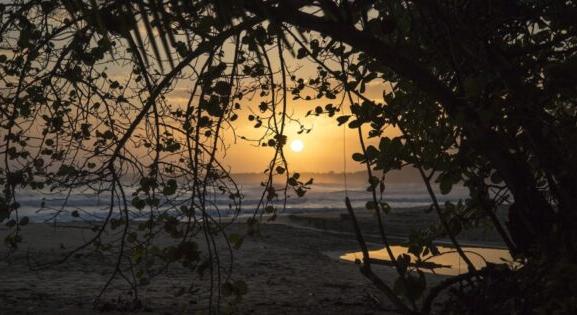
[287,271]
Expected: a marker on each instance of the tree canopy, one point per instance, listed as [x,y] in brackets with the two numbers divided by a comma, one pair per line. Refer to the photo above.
[483,93]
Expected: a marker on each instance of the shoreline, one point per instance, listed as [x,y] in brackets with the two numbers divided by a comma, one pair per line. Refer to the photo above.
[287,270]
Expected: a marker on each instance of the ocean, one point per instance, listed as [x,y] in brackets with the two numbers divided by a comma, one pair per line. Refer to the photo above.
[42,206]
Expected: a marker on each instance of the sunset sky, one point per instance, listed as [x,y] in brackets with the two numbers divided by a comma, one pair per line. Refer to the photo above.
[323,146]
[326,147]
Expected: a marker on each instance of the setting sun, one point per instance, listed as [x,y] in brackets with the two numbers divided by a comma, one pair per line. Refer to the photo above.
[297,145]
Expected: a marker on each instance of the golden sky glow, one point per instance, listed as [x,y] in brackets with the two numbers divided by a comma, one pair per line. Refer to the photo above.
[326,148]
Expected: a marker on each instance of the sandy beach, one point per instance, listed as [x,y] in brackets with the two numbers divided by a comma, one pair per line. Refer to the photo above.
[287,270]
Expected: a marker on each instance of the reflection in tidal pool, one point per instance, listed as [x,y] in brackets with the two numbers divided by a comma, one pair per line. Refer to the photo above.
[451,263]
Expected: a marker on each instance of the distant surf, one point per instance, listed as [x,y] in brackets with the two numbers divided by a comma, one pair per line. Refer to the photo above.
[42,206]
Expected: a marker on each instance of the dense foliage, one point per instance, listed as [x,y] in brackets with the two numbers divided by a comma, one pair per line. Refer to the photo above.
[482,91]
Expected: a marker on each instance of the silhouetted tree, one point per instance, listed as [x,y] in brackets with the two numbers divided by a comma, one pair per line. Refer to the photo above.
[483,92]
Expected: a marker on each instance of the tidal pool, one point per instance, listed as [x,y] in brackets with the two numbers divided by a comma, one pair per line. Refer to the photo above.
[448,262]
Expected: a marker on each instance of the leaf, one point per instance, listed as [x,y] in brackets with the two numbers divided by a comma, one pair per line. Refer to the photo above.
[403,261]
[214,108]
[24,221]
[169,187]
[385,207]
[301,53]
[236,240]
[343,119]
[371,205]
[355,124]
[131,237]
[359,157]
[445,185]
[415,286]
[181,48]
[372,152]
[222,88]
[416,250]
[434,250]
[138,203]
[300,192]
[4,214]
[495,178]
